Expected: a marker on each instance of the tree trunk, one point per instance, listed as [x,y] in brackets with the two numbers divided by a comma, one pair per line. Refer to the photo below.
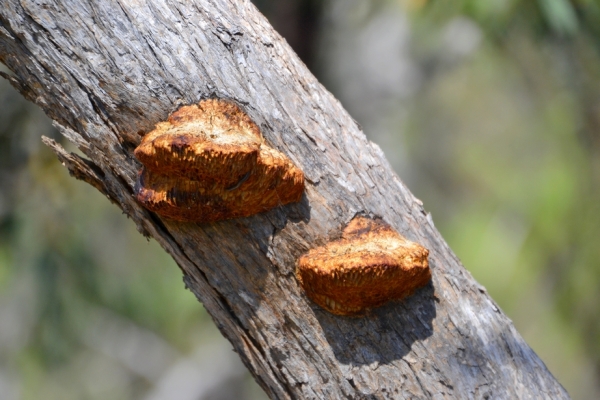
[107,71]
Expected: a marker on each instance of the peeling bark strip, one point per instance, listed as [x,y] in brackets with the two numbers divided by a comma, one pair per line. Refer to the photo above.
[207,163]
[108,70]
[370,265]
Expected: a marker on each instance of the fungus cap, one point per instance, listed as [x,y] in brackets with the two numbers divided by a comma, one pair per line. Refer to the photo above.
[370,265]
[213,140]
[272,182]
[207,162]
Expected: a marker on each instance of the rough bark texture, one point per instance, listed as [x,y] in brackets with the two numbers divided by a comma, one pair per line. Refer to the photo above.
[107,71]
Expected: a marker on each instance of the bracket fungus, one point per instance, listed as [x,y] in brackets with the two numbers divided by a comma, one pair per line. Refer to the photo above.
[208,162]
[370,265]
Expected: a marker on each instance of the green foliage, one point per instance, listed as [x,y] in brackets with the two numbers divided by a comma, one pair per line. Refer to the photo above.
[563,18]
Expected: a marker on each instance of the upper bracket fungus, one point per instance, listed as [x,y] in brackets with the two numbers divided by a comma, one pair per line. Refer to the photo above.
[209,162]
[370,265]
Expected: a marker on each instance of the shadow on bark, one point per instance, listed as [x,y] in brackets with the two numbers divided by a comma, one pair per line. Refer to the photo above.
[367,336]
[244,284]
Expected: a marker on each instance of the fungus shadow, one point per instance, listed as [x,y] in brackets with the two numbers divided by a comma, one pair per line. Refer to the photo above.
[382,335]
[244,268]
[291,212]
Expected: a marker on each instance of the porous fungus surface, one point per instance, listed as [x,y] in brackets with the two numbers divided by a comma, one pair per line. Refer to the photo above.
[212,140]
[208,162]
[370,265]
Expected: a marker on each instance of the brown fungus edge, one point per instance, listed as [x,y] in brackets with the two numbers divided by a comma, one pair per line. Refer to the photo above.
[208,162]
[369,266]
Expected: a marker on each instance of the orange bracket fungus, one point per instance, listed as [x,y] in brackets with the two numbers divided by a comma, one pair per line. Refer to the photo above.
[208,162]
[370,265]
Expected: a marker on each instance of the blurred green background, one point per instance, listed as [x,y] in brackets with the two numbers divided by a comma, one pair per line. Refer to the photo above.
[488,110]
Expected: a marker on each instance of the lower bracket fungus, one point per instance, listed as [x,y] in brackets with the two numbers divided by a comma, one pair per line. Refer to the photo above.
[208,162]
[370,265]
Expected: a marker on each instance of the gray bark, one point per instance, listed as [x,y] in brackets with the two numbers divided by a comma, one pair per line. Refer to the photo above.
[106,71]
